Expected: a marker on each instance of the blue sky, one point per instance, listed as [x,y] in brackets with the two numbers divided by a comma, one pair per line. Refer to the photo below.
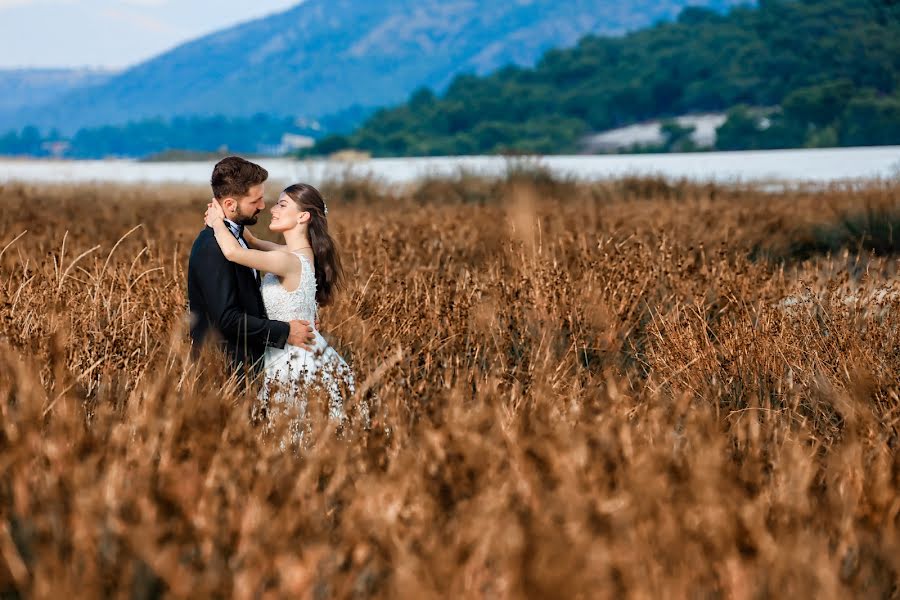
[112,33]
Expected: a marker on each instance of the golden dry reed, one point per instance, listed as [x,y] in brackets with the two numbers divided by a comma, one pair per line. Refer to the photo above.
[634,389]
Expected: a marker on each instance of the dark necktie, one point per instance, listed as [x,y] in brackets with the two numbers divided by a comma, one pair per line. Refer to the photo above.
[238,231]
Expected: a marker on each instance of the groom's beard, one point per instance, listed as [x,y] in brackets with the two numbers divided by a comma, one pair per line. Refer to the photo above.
[246,220]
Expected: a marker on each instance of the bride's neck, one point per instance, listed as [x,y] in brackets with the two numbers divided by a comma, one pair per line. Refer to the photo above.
[296,238]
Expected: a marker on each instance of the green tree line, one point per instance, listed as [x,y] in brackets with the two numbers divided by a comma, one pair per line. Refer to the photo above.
[790,73]
[257,134]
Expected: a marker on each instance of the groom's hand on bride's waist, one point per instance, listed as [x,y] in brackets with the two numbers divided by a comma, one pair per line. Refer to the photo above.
[301,334]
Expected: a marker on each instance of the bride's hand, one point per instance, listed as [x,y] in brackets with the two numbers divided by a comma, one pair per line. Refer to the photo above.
[214,213]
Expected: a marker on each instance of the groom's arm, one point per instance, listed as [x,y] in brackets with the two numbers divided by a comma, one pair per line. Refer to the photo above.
[219,291]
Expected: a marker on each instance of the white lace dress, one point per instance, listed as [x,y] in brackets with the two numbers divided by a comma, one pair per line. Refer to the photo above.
[290,371]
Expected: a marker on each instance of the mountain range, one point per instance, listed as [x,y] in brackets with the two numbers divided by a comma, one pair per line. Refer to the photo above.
[23,88]
[322,57]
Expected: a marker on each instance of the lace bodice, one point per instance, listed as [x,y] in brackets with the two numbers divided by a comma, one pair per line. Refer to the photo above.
[282,305]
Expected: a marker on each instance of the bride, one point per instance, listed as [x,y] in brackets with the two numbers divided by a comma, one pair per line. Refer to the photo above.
[301,274]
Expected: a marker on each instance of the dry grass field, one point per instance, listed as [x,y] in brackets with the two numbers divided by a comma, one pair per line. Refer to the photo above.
[624,390]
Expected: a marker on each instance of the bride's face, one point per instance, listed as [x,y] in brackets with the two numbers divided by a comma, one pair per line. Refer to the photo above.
[286,215]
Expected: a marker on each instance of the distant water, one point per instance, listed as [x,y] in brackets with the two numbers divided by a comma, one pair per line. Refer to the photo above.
[781,166]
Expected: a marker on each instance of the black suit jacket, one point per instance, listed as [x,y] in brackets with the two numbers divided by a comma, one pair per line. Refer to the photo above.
[225,297]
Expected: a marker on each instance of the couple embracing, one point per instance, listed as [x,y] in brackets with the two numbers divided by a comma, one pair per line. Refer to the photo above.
[267,324]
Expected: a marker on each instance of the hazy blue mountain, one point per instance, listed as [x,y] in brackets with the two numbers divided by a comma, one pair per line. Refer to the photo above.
[324,56]
[34,87]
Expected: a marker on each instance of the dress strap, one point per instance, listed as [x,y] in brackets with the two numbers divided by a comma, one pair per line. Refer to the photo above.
[303,259]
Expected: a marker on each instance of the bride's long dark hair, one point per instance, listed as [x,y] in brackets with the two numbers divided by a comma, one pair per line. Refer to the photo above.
[329,273]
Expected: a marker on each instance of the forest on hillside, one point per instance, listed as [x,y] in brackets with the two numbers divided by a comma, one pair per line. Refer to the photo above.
[790,73]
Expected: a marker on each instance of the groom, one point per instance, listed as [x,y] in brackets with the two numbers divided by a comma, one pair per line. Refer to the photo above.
[224,297]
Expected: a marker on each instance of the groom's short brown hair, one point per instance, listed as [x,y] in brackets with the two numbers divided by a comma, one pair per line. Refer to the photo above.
[233,177]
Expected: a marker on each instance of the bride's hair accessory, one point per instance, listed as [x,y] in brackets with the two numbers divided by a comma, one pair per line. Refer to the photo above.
[325,207]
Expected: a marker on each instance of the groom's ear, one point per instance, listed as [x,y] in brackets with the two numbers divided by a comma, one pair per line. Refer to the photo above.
[228,205]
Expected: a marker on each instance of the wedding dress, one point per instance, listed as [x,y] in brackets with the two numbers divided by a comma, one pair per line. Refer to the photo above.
[291,371]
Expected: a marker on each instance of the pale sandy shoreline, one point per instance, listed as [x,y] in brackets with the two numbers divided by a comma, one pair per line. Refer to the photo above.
[775,166]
